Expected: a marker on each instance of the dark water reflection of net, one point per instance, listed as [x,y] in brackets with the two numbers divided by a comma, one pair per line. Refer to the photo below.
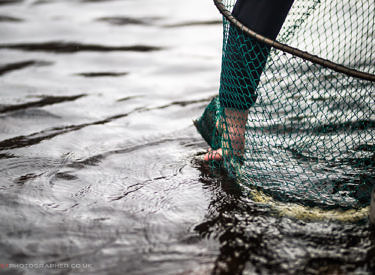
[254,241]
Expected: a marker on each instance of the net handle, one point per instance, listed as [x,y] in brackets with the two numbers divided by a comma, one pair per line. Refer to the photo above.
[293,51]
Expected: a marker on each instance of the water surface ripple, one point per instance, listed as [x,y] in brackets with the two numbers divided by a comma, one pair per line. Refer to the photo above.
[99,160]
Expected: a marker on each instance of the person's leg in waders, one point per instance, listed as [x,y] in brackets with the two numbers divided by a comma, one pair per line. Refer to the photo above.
[243,63]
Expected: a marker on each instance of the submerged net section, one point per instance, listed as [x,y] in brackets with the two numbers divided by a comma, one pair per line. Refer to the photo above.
[293,128]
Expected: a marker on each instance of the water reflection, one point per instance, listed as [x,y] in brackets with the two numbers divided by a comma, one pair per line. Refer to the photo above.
[98,150]
[254,239]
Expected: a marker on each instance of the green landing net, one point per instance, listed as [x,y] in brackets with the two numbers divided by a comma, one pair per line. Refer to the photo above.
[306,134]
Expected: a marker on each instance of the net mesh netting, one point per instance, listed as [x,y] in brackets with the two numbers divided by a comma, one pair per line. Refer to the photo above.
[296,130]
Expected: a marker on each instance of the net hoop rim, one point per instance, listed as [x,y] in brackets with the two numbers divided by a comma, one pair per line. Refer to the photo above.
[306,213]
[291,50]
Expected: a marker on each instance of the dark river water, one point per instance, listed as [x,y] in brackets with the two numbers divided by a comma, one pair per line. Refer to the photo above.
[99,159]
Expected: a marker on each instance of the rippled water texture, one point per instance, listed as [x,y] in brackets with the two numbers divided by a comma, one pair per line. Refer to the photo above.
[98,154]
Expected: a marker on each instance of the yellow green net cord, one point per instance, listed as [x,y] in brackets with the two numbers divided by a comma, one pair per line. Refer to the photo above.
[295,115]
